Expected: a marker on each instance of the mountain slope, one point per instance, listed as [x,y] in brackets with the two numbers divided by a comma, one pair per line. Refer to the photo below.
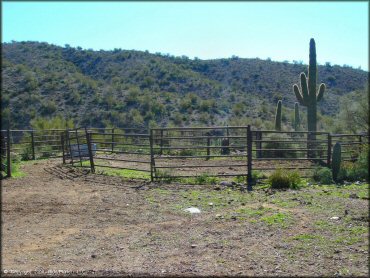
[134,88]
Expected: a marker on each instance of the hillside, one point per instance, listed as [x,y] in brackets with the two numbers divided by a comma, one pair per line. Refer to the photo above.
[127,88]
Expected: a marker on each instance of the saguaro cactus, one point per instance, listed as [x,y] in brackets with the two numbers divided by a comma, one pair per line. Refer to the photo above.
[336,160]
[297,119]
[307,95]
[278,116]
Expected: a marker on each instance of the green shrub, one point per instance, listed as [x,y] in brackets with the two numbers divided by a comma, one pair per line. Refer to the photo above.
[26,153]
[205,179]
[278,147]
[255,176]
[282,179]
[186,152]
[165,176]
[354,171]
[322,175]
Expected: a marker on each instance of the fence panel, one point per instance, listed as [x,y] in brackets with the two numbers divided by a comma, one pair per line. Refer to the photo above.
[35,144]
[352,144]
[302,151]
[75,150]
[127,151]
[166,153]
[5,157]
[191,152]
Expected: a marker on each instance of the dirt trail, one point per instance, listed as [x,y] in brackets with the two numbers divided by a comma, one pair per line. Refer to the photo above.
[60,219]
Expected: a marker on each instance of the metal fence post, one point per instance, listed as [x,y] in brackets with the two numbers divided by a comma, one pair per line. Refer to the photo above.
[249,157]
[151,155]
[33,145]
[112,140]
[91,155]
[78,146]
[8,160]
[329,150]
[62,143]
[208,145]
[161,142]
[68,139]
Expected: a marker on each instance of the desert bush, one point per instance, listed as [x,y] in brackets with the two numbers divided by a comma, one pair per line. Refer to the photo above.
[165,176]
[205,179]
[354,171]
[279,146]
[26,153]
[283,179]
[322,175]
[186,152]
[256,175]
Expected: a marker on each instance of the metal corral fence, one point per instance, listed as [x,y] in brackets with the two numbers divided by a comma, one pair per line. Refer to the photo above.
[5,162]
[28,145]
[190,152]
[290,150]
[122,149]
[166,153]
[352,144]
[34,144]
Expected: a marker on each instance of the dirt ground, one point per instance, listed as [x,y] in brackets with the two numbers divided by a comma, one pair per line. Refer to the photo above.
[63,221]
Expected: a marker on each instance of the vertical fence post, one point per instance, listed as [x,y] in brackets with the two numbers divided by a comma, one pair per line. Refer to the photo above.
[249,157]
[329,150]
[8,160]
[91,155]
[112,140]
[68,138]
[208,145]
[62,144]
[33,145]
[259,143]
[161,143]
[78,146]
[151,155]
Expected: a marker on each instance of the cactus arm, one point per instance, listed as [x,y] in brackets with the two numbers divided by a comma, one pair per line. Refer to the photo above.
[298,94]
[320,94]
[304,87]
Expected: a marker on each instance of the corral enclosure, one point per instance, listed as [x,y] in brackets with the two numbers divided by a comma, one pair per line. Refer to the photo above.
[178,153]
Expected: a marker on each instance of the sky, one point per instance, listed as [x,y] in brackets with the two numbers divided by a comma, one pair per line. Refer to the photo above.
[207,30]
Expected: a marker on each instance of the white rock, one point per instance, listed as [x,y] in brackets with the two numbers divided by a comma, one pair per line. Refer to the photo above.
[335,218]
[192,210]
[210,204]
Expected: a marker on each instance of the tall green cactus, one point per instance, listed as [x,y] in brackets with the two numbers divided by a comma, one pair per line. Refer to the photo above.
[336,160]
[297,119]
[278,116]
[307,95]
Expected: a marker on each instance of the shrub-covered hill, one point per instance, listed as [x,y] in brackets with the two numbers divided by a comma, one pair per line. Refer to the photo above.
[129,88]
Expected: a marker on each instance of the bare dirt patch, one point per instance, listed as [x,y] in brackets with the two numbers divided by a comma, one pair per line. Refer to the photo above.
[62,219]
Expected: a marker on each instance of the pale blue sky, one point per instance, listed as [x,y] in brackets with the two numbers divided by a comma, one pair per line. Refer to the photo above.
[279,30]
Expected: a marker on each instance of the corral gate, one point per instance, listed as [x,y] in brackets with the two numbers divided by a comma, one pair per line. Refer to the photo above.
[209,151]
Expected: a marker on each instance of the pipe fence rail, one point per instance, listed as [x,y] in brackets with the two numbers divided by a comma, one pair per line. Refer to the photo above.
[180,153]
[290,150]
[352,144]
[190,152]
[121,149]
